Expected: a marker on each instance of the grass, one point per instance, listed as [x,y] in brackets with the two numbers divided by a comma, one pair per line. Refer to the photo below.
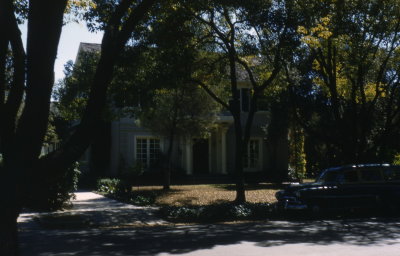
[204,203]
[192,195]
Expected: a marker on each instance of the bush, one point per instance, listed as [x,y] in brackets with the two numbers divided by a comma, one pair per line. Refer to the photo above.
[52,195]
[110,186]
[120,190]
[218,212]
[131,173]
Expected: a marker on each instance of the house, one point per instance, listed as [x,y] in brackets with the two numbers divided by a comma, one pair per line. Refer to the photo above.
[131,144]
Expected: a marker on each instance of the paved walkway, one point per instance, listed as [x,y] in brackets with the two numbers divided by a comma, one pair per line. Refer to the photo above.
[90,212]
[97,226]
[95,211]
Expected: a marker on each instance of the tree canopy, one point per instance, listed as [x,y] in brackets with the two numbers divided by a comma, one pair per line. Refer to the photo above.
[351,81]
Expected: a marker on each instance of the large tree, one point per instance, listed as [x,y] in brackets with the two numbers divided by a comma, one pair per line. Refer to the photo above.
[241,42]
[350,85]
[31,85]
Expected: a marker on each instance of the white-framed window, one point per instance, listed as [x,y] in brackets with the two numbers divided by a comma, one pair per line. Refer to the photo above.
[148,150]
[252,154]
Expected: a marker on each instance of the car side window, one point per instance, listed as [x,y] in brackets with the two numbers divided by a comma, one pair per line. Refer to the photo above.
[371,175]
[328,177]
[391,174]
[348,177]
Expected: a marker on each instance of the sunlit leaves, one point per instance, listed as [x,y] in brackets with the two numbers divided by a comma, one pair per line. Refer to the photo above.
[314,36]
[353,73]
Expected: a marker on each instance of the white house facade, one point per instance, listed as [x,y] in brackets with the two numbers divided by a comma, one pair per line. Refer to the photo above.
[132,144]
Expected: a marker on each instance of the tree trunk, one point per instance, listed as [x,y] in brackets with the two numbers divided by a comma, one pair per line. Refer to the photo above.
[8,215]
[167,171]
[21,158]
[9,233]
[239,154]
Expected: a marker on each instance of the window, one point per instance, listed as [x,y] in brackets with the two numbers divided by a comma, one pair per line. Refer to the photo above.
[391,174]
[148,151]
[350,176]
[371,175]
[252,154]
[328,176]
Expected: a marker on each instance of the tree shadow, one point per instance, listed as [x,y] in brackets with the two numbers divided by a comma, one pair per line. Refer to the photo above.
[124,231]
[152,240]
[104,227]
[252,186]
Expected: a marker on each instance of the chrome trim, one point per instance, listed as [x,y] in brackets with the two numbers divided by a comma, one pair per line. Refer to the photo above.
[292,203]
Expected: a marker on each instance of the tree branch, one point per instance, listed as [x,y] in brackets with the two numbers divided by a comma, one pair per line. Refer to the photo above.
[211,93]
[112,45]
[249,72]
[10,106]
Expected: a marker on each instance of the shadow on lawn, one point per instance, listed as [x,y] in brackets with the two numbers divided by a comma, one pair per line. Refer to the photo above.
[249,187]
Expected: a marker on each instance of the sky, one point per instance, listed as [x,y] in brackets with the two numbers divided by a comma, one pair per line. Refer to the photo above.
[72,34]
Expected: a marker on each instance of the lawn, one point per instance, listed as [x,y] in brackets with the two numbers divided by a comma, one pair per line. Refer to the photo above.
[187,195]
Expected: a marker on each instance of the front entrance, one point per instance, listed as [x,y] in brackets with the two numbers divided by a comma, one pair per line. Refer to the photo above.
[200,156]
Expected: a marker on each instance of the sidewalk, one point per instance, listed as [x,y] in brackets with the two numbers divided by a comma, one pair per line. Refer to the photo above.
[91,215]
[96,211]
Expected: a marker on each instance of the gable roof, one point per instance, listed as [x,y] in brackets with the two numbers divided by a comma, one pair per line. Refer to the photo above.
[87,47]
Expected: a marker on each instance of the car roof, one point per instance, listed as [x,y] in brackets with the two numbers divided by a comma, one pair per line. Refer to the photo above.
[357,166]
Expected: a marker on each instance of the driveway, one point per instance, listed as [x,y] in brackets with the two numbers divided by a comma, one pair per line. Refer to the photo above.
[100,226]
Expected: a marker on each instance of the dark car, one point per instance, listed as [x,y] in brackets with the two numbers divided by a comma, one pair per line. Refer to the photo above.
[346,187]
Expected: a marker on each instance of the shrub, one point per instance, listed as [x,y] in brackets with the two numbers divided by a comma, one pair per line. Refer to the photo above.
[120,190]
[109,186]
[132,172]
[141,200]
[52,195]
[217,212]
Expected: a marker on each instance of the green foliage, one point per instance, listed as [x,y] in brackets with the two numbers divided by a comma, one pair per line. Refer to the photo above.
[396,160]
[54,195]
[184,110]
[130,173]
[117,189]
[51,136]
[110,186]
[297,157]
[348,93]
[218,212]
[72,92]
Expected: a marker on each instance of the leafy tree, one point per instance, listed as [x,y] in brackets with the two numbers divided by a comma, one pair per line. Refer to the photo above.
[297,158]
[351,48]
[71,93]
[32,82]
[249,42]
[182,111]
[154,80]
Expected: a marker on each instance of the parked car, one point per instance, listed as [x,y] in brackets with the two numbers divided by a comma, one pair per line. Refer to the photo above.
[346,187]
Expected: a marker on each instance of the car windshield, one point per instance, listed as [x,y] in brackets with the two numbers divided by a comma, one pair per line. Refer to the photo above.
[327,176]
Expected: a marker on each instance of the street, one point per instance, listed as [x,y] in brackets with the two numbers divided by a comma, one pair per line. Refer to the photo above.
[116,230]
